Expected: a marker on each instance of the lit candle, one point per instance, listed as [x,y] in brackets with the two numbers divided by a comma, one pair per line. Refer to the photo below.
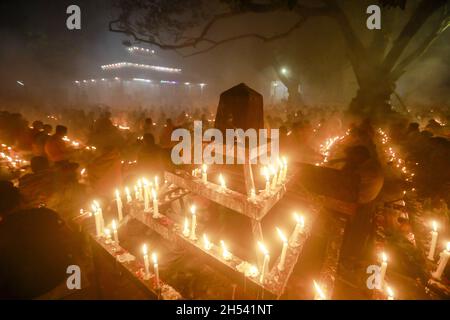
[156,214]
[225,253]
[285,167]
[96,219]
[223,186]
[273,172]
[139,184]
[119,205]
[186,231]
[266,175]
[252,195]
[298,230]
[136,192]
[320,295]
[146,263]
[127,192]
[390,293]
[98,214]
[442,262]
[204,173]
[383,269]
[283,238]
[155,268]
[206,244]
[116,236]
[146,195]
[434,237]
[265,266]
[107,233]
[280,172]
[156,183]
[194,223]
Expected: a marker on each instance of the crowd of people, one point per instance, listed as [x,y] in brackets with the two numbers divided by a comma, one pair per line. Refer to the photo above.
[76,155]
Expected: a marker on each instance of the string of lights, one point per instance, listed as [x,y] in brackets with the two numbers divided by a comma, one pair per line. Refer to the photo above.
[120,65]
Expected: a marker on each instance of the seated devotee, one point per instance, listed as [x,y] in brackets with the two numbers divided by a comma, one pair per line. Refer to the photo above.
[105,171]
[35,251]
[40,140]
[148,126]
[9,199]
[166,133]
[55,147]
[37,187]
[27,136]
[150,157]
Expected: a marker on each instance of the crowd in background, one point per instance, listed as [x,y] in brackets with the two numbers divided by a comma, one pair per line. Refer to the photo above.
[77,154]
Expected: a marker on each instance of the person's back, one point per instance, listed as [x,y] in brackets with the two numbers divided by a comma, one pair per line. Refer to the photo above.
[35,252]
[150,158]
[55,146]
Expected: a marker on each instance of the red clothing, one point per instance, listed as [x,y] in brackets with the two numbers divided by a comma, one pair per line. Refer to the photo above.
[56,149]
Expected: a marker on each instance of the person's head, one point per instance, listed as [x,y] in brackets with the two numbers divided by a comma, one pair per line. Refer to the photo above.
[168,122]
[9,198]
[37,125]
[39,164]
[413,127]
[148,121]
[149,139]
[61,130]
[47,128]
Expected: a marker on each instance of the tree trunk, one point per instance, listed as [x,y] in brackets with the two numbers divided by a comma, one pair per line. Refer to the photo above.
[374,93]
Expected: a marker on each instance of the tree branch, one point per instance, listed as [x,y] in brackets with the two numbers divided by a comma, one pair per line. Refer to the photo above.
[420,50]
[423,11]
[245,6]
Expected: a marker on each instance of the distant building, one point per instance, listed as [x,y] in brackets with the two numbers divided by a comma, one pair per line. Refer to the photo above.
[140,81]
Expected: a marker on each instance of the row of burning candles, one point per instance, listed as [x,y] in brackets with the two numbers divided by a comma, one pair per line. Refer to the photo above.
[274,175]
[394,158]
[190,231]
[399,163]
[8,154]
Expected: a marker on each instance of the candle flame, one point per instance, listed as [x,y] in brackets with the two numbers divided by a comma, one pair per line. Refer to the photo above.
[434,223]
[272,170]
[154,258]
[384,257]
[263,248]
[225,253]
[319,290]
[299,219]
[281,235]
[107,232]
[222,181]
[144,249]
[114,225]
[204,168]
[390,292]
[265,173]
[206,242]
[193,209]
[117,194]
